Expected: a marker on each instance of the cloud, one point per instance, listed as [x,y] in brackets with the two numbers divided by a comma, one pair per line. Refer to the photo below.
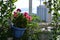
[22,4]
[25,3]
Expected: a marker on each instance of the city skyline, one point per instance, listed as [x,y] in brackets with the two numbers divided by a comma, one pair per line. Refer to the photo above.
[21,4]
[42,12]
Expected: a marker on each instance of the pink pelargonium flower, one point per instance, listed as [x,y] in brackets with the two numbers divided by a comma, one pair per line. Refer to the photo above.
[15,14]
[25,13]
[27,17]
[30,18]
[18,10]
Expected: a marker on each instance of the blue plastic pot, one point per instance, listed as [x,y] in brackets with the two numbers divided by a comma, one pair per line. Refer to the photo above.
[18,32]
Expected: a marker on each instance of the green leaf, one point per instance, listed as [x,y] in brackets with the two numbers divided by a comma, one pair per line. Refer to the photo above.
[1,2]
[13,1]
[4,8]
[4,21]
[0,21]
[44,2]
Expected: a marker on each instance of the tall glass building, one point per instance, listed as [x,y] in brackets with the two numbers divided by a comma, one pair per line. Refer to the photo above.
[42,12]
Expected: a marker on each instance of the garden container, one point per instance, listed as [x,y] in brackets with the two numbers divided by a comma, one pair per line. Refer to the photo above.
[18,32]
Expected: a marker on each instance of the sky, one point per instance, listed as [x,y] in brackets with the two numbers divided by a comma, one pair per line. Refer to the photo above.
[24,5]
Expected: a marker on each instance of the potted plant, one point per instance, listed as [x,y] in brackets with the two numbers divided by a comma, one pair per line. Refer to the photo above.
[20,21]
[32,28]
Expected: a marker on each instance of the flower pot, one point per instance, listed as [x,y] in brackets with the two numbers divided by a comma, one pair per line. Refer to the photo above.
[18,32]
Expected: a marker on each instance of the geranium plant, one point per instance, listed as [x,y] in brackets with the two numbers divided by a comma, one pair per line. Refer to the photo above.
[21,19]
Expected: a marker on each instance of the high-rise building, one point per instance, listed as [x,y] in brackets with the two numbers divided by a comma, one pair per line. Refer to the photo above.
[42,12]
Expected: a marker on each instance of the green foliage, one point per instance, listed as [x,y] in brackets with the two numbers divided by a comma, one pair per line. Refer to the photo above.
[33,28]
[54,5]
[6,8]
[35,18]
[35,21]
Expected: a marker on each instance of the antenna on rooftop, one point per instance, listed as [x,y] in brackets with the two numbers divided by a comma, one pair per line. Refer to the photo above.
[40,2]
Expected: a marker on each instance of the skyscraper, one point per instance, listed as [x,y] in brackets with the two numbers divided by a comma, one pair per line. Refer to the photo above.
[42,12]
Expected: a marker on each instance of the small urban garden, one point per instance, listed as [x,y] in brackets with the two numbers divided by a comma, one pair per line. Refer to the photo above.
[15,25]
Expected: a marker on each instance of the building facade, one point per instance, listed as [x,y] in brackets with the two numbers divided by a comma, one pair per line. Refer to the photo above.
[42,12]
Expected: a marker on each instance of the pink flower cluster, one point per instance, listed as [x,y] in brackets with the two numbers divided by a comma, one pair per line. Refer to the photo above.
[15,12]
[25,14]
